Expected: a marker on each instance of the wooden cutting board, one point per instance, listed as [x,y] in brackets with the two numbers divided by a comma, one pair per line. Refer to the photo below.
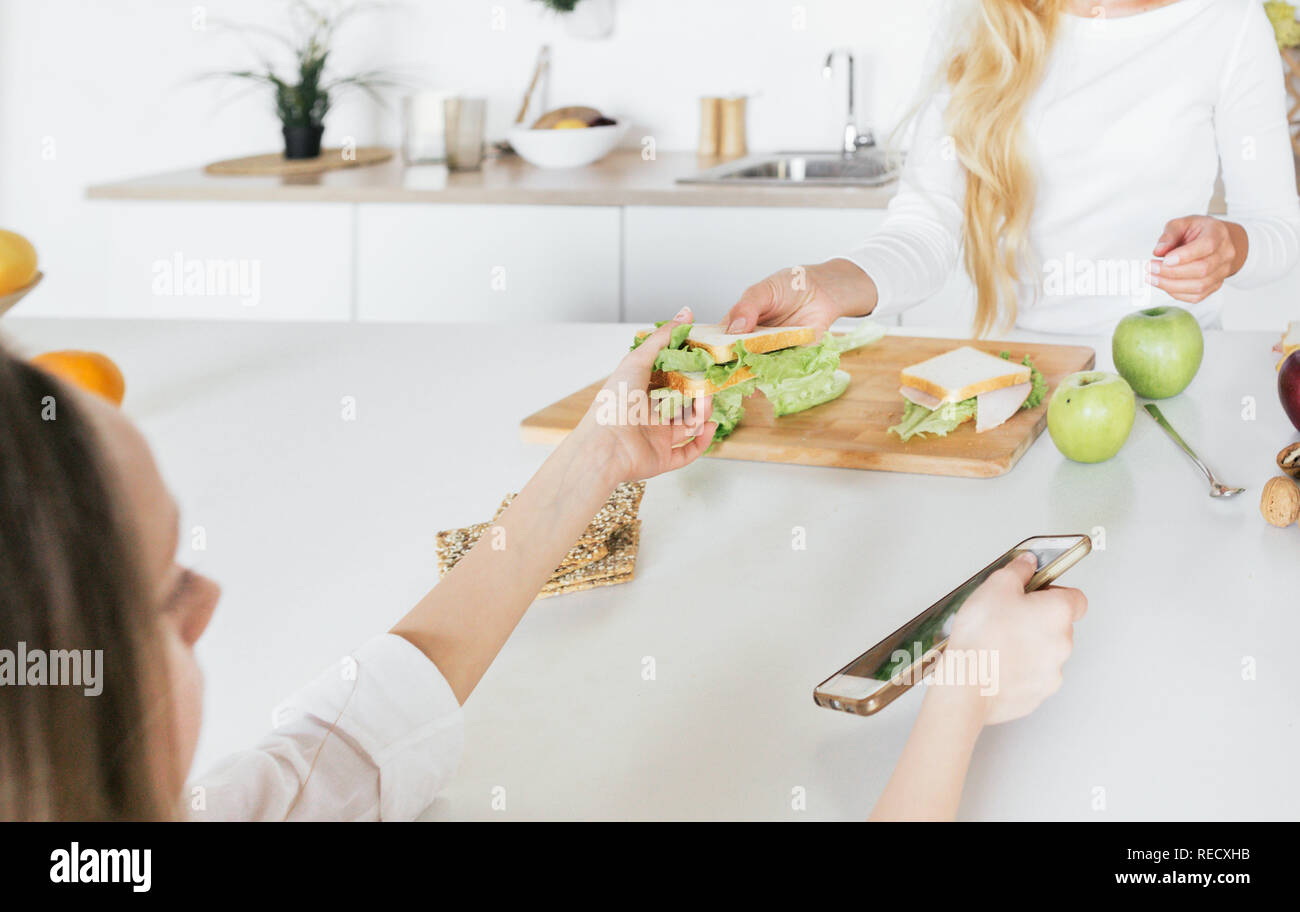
[851,432]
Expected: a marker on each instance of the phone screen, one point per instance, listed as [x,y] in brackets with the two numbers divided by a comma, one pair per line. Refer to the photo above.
[904,647]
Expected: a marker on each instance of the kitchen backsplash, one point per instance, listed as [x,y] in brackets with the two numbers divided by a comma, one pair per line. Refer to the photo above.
[663,55]
[92,92]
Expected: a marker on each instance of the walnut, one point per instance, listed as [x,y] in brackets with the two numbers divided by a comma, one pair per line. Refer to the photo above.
[1280,503]
[1289,460]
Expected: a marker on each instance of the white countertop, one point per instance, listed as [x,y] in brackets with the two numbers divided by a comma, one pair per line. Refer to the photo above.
[622,178]
[322,534]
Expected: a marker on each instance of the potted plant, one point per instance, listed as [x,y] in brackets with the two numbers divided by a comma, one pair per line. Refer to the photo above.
[588,19]
[303,99]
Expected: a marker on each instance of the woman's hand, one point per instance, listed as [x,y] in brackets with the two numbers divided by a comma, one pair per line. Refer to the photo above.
[1030,635]
[463,622]
[804,296]
[1199,252]
[624,423]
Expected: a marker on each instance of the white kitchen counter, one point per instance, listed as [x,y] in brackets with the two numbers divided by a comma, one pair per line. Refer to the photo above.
[622,178]
[322,533]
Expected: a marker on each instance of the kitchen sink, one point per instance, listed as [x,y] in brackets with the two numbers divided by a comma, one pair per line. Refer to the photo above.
[869,168]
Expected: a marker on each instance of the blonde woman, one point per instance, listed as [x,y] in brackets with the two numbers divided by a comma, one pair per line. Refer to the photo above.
[1069,156]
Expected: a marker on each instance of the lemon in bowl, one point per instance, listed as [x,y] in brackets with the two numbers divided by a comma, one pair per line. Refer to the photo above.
[17,262]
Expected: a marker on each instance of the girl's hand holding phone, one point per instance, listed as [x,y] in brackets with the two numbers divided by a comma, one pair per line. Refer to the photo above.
[1031,634]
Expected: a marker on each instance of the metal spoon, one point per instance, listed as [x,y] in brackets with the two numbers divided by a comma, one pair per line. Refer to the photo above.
[1216,489]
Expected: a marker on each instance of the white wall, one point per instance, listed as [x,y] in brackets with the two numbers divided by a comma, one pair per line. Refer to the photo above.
[98,90]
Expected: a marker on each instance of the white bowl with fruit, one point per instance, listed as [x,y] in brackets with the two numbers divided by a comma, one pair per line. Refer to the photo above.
[567,138]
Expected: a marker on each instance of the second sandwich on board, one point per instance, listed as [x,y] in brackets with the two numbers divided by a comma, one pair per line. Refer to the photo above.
[946,391]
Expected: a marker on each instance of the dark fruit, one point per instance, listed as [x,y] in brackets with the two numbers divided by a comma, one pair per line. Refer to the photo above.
[1288,387]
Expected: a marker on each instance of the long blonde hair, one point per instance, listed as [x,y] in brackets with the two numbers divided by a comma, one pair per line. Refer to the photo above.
[992,74]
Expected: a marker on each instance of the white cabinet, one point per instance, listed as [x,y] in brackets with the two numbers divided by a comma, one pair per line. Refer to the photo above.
[228,261]
[706,257]
[452,263]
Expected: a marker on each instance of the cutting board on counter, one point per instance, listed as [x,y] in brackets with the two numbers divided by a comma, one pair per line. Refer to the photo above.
[851,432]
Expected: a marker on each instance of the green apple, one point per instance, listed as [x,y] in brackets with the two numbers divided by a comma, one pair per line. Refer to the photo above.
[1158,350]
[1090,415]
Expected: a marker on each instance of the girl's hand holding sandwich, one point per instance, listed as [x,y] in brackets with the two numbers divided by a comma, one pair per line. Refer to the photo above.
[624,428]
[464,621]
[1024,639]
[804,296]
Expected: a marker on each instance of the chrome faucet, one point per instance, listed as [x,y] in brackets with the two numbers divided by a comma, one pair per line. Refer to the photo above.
[853,139]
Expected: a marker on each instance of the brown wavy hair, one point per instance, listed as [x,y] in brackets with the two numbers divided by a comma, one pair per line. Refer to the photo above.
[70,580]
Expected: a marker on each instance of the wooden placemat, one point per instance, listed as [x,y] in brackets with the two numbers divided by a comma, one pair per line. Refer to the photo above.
[275,164]
[852,431]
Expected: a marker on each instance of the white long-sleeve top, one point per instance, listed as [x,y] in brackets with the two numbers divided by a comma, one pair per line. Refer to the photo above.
[373,738]
[1133,120]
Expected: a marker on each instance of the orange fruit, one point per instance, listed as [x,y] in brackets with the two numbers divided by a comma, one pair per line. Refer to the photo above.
[17,262]
[88,370]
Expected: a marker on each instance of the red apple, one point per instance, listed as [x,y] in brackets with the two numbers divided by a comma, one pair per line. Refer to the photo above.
[1288,387]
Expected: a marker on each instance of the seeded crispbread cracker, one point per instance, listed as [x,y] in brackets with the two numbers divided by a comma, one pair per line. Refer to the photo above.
[594,545]
[453,544]
[618,511]
[548,592]
[618,567]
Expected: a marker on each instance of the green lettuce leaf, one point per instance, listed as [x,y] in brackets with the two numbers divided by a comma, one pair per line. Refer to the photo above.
[676,340]
[719,374]
[789,363]
[683,359]
[795,394]
[637,340]
[1038,384]
[864,333]
[729,408]
[920,420]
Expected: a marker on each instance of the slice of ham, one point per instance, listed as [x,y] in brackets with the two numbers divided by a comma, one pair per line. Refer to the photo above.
[992,409]
[923,399]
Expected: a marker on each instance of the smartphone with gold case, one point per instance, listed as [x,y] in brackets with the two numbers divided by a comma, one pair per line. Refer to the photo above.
[887,670]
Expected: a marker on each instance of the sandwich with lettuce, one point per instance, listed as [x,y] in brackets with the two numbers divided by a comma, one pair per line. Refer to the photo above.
[965,384]
[789,365]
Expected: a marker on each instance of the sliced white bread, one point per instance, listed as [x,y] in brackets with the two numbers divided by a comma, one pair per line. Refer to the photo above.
[962,373]
[714,339]
[693,383]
